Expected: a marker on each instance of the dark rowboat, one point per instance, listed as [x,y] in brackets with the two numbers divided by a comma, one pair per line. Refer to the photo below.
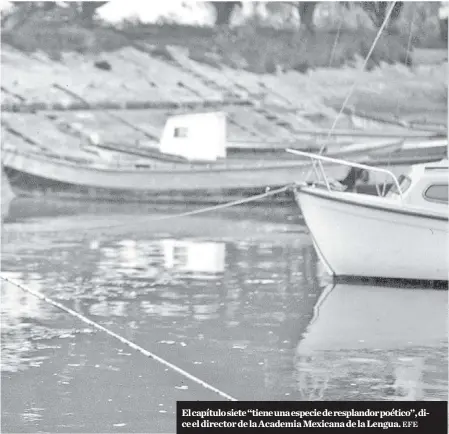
[162,180]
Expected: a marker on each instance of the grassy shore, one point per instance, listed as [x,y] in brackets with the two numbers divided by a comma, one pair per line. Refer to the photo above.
[249,47]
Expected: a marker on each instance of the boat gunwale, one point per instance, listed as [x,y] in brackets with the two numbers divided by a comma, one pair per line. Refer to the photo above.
[219,166]
[174,167]
[400,209]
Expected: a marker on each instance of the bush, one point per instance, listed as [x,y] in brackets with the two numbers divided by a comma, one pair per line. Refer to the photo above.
[265,50]
[337,40]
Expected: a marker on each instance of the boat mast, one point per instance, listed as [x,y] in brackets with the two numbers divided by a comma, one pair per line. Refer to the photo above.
[351,90]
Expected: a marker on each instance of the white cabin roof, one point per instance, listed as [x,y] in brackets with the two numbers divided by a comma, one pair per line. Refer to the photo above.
[439,164]
[195,136]
[436,169]
[421,178]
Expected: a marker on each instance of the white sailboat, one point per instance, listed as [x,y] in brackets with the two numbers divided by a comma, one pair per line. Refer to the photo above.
[402,234]
[399,234]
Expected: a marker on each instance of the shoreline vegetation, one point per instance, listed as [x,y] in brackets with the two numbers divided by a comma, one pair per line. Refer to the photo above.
[272,81]
[252,46]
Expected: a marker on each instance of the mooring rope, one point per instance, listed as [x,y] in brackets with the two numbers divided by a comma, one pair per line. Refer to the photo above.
[204,210]
[227,204]
[122,339]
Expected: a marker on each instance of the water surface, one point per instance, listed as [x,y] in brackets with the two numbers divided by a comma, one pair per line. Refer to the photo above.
[238,299]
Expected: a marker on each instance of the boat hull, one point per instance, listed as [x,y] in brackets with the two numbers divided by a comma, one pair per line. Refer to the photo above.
[365,240]
[25,184]
[160,181]
[36,175]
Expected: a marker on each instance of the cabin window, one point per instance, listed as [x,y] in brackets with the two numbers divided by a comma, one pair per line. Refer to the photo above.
[181,254]
[404,184]
[180,132]
[437,193]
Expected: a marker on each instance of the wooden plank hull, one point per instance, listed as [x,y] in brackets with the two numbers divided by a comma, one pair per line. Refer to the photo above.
[25,184]
[156,182]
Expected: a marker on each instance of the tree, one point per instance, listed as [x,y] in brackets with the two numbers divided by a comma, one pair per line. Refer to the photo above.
[23,12]
[306,11]
[88,10]
[47,6]
[223,11]
[377,11]
[19,14]
[443,29]
[443,12]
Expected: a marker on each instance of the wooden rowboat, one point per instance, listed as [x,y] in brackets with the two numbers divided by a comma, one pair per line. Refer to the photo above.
[33,174]
[191,166]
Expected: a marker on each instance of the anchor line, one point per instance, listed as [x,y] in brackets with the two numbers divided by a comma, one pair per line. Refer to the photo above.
[122,339]
[208,209]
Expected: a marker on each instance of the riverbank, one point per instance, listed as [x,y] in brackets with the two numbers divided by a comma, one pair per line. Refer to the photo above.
[258,49]
[65,84]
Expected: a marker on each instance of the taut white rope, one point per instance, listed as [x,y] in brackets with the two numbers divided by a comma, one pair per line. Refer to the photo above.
[119,338]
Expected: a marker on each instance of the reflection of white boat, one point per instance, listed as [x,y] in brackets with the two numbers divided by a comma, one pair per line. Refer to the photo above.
[183,258]
[198,258]
[374,317]
[402,234]
[379,337]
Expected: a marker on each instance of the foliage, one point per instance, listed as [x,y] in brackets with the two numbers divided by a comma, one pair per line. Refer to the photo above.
[306,11]
[336,36]
[377,11]
[22,12]
[223,11]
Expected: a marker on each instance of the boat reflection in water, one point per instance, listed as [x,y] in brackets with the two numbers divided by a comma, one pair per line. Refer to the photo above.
[6,194]
[234,292]
[196,259]
[165,258]
[369,342]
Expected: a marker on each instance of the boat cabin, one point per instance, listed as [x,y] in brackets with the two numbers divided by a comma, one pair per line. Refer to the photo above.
[425,185]
[195,136]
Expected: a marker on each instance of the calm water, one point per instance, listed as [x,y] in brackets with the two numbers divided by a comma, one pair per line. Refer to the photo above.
[237,299]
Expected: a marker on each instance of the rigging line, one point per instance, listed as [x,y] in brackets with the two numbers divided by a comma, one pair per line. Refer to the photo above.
[122,339]
[334,46]
[351,90]
[407,57]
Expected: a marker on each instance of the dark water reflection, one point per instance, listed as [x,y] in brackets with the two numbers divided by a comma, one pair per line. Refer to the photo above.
[245,308]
